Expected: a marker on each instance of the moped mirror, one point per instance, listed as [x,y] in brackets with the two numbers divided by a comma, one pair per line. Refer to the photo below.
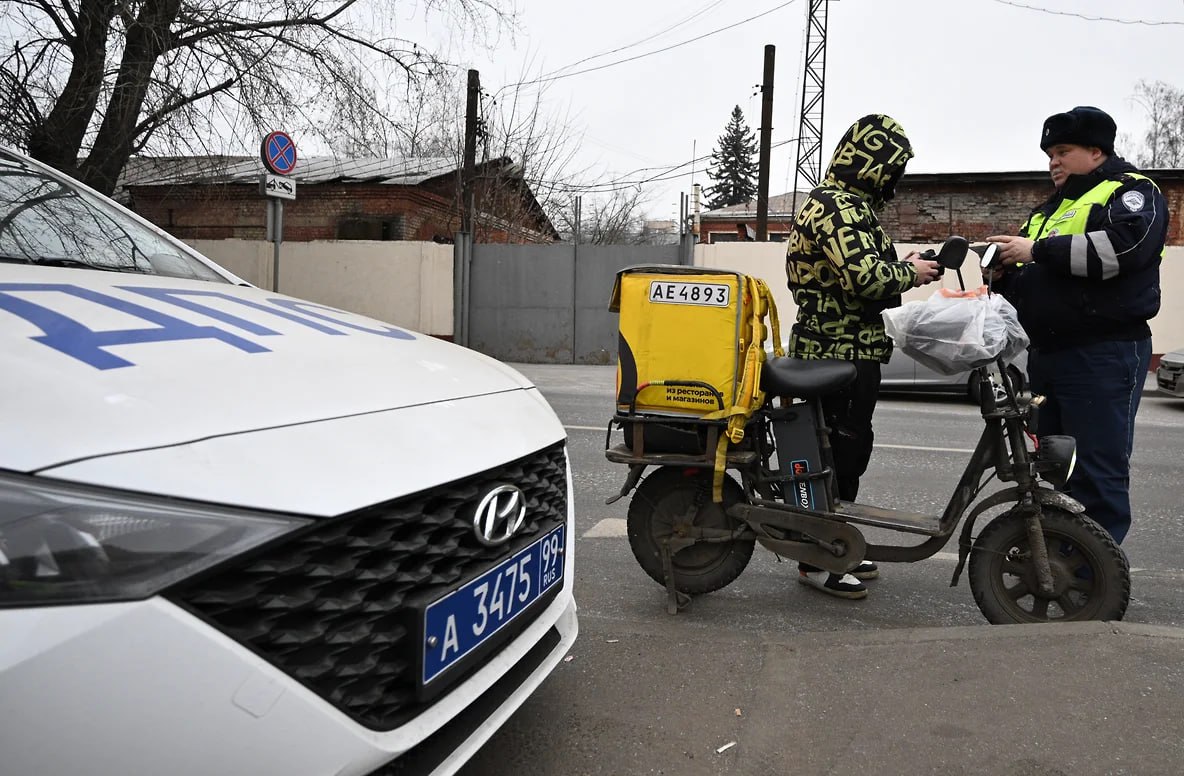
[953,252]
[988,254]
[950,256]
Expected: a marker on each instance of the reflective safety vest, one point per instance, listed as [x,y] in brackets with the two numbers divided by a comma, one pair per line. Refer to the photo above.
[1071,216]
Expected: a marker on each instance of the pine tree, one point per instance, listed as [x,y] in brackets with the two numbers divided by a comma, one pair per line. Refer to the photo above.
[733,169]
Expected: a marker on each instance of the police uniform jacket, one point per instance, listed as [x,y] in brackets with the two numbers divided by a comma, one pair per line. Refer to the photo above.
[1094,274]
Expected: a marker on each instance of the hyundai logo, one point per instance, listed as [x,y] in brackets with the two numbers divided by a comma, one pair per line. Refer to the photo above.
[500,514]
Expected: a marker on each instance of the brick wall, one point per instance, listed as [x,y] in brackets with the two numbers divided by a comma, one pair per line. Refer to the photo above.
[240,212]
[328,211]
[929,212]
[930,207]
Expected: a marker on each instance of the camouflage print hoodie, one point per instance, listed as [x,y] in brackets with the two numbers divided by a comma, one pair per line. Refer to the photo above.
[842,267]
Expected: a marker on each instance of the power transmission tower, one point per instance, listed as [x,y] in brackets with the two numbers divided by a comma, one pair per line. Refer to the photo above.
[809,164]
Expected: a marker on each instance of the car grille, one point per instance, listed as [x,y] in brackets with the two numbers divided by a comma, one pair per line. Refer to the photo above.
[336,605]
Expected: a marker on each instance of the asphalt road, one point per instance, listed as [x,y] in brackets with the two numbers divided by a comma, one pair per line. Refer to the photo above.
[624,697]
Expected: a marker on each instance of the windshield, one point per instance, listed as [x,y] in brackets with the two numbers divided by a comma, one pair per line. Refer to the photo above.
[44,220]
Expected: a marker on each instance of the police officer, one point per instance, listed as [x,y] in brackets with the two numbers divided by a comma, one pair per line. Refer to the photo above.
[1084,277]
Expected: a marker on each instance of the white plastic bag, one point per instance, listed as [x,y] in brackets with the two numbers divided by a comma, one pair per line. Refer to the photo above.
[956,331]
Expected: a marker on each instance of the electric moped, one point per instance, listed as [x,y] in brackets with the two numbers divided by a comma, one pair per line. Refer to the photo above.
[1042,559]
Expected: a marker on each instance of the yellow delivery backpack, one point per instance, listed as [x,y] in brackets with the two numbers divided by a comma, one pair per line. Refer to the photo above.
[691,345]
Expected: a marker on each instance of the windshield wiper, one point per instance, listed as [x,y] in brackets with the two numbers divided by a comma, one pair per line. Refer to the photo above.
[62,261]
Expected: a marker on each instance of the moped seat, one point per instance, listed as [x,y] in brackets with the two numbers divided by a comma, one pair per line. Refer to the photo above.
[805,378]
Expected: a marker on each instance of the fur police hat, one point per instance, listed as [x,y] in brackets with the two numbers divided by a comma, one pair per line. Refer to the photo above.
[1085,125]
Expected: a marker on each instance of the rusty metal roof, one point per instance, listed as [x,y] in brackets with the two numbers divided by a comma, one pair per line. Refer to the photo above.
[173,170]
[780,205]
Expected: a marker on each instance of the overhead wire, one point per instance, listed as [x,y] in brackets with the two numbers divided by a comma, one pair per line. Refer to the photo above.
[1088,17]
[797,100]
[675,171]
[548,79]
[636,43]
[669,172]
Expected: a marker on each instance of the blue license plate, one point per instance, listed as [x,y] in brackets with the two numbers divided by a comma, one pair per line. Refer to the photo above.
[458,623]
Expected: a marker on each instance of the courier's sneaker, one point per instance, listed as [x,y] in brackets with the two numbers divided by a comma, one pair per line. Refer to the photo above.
[865,570]
[841,585]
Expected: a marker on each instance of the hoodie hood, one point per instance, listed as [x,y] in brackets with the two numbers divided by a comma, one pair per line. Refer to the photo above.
[870,159]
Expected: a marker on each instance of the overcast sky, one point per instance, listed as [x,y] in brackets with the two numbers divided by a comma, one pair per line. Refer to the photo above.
[971,81]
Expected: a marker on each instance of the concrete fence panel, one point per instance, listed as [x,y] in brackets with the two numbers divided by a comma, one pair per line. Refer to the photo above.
[404,283]
[537,304]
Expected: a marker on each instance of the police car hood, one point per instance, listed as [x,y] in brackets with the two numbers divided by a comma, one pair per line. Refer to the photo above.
[101,363]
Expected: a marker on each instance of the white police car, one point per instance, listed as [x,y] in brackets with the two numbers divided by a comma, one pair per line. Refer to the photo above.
[242,533]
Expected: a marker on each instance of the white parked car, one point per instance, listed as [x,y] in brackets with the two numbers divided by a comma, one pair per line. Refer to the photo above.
[1169,375]
[904,374]
[242,533]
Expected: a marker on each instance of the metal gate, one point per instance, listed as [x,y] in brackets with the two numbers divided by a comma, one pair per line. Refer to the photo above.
[544,304]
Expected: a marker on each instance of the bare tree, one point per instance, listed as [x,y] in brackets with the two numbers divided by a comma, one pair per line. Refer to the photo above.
[544,145]
[517,125]
[607,219]
[430,117]
[1163,140]
[526,156]
[418,118]
[105,79]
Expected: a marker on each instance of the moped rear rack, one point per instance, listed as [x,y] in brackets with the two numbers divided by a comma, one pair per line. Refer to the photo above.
[705,434]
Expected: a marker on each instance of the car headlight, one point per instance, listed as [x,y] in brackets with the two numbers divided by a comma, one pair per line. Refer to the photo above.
[62,543]
[1056,459]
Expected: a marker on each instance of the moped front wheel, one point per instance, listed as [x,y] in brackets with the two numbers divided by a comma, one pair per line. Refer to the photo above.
[1091,575]
[670,503]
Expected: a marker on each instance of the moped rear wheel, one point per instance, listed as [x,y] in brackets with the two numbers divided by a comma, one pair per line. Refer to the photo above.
[1091,575]
[668,503]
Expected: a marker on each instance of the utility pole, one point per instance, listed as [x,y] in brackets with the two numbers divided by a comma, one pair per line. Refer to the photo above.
[462,254]
[809,164]
[469,171]
[762,178]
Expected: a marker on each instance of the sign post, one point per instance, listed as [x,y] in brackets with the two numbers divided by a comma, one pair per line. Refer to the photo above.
[278,153]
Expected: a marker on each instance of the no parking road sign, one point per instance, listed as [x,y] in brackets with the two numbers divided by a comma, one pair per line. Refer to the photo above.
[279,153]
[279,157]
